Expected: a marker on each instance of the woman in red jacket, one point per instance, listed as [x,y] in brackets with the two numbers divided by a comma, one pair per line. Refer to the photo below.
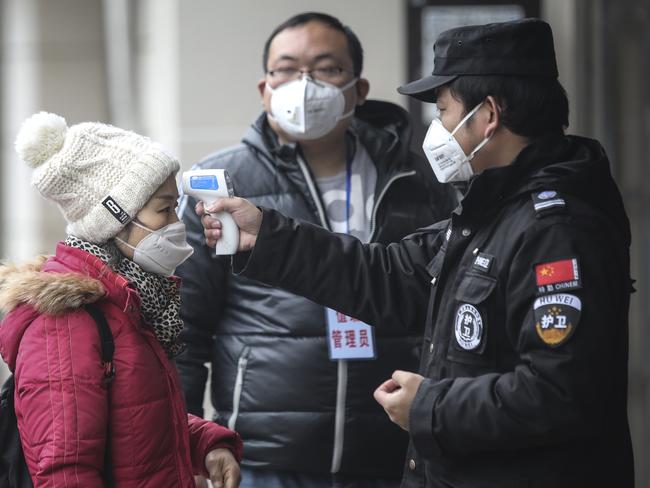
[117,192]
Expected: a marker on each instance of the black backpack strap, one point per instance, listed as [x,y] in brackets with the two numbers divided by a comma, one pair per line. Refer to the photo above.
[106,337]
[13,469]
[108,348]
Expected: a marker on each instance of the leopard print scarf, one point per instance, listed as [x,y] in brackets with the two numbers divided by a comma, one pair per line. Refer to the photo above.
[160,296]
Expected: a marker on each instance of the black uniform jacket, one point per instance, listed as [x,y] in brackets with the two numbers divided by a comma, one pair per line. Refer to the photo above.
[272,379]
[524,295]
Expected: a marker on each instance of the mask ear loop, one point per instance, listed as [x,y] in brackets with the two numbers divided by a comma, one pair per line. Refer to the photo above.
[124,243]
[466,118]
[483,142]
[346,87]
[460,124]
[478,148]
[137,224]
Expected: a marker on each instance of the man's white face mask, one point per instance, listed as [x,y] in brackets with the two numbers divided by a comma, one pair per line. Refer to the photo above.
[445,155]
[308,109]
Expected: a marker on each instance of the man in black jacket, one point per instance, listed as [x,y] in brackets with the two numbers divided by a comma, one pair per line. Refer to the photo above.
[524,292]
[304,417]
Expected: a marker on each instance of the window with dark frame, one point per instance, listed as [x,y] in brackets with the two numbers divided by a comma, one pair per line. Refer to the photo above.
[426,19]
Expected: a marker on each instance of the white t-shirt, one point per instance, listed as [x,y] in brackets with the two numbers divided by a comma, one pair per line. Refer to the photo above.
[362,196]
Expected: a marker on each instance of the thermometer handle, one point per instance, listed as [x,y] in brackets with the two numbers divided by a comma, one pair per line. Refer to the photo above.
[229,241]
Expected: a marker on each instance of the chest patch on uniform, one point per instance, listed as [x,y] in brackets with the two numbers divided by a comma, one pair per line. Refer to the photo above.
[546,200]
[483,262]
[557,276]
[556,317]
[469,327]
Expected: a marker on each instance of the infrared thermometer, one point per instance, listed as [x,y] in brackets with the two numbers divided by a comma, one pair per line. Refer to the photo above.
[207,185]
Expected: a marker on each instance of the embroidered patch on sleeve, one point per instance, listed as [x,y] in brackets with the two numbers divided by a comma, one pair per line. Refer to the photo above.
[546,200]
[558,276]
[556,317]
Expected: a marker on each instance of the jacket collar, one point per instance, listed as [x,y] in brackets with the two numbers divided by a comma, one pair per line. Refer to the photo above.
[489,189]
[67,280]
[571,165]
[52,286]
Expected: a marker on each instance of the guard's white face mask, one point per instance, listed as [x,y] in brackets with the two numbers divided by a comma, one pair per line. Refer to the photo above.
[445,155]
[307,109]
[162,250]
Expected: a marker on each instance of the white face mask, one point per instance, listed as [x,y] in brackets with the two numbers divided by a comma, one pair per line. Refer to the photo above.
[445,155]
[162,250]
[308,109]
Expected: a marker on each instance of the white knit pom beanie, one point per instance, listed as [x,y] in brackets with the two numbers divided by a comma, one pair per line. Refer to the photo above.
[100,176]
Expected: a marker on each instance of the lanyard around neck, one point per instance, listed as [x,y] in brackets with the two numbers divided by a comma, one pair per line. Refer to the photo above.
[348,186]
[348,194]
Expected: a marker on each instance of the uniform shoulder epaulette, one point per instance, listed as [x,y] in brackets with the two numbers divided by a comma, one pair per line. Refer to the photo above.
[548,201]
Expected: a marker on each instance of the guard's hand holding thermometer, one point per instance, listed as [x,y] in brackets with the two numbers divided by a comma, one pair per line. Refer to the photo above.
[247,217]
[207,185]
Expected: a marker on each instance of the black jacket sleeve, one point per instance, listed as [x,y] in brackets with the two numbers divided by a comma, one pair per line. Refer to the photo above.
[203,296]
[385,286]
[555,393]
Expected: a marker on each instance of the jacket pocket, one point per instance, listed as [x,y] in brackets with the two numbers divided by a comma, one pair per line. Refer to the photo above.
[469,340]
[242,364]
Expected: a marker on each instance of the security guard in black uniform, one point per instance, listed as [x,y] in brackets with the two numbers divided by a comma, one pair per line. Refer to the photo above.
[523,292]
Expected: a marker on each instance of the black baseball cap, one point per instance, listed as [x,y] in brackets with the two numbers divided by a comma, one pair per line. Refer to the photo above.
[516,48]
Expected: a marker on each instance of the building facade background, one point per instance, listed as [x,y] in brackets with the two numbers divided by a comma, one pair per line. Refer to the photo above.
[185,73]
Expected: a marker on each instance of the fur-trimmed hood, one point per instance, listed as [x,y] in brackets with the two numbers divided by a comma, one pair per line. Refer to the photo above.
[47,293]
[54,285]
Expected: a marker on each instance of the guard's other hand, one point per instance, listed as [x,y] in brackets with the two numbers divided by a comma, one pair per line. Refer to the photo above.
[396,396]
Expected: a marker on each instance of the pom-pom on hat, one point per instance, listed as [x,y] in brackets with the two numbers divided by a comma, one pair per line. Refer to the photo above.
[100,176]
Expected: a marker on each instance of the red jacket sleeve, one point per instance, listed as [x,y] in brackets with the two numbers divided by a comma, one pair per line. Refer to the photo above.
[206,436]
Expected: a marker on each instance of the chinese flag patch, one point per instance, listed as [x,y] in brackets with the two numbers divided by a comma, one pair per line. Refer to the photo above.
[557,272]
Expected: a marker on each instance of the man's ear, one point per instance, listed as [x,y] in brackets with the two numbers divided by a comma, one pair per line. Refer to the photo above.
[494,116]
[363,87]
[261,86]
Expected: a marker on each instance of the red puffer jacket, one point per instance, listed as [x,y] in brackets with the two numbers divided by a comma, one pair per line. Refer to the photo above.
[66,416]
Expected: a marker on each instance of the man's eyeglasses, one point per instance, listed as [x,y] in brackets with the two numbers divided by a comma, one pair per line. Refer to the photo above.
[331,74]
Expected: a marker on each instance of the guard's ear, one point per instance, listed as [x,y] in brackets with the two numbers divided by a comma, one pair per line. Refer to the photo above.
[494,116]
